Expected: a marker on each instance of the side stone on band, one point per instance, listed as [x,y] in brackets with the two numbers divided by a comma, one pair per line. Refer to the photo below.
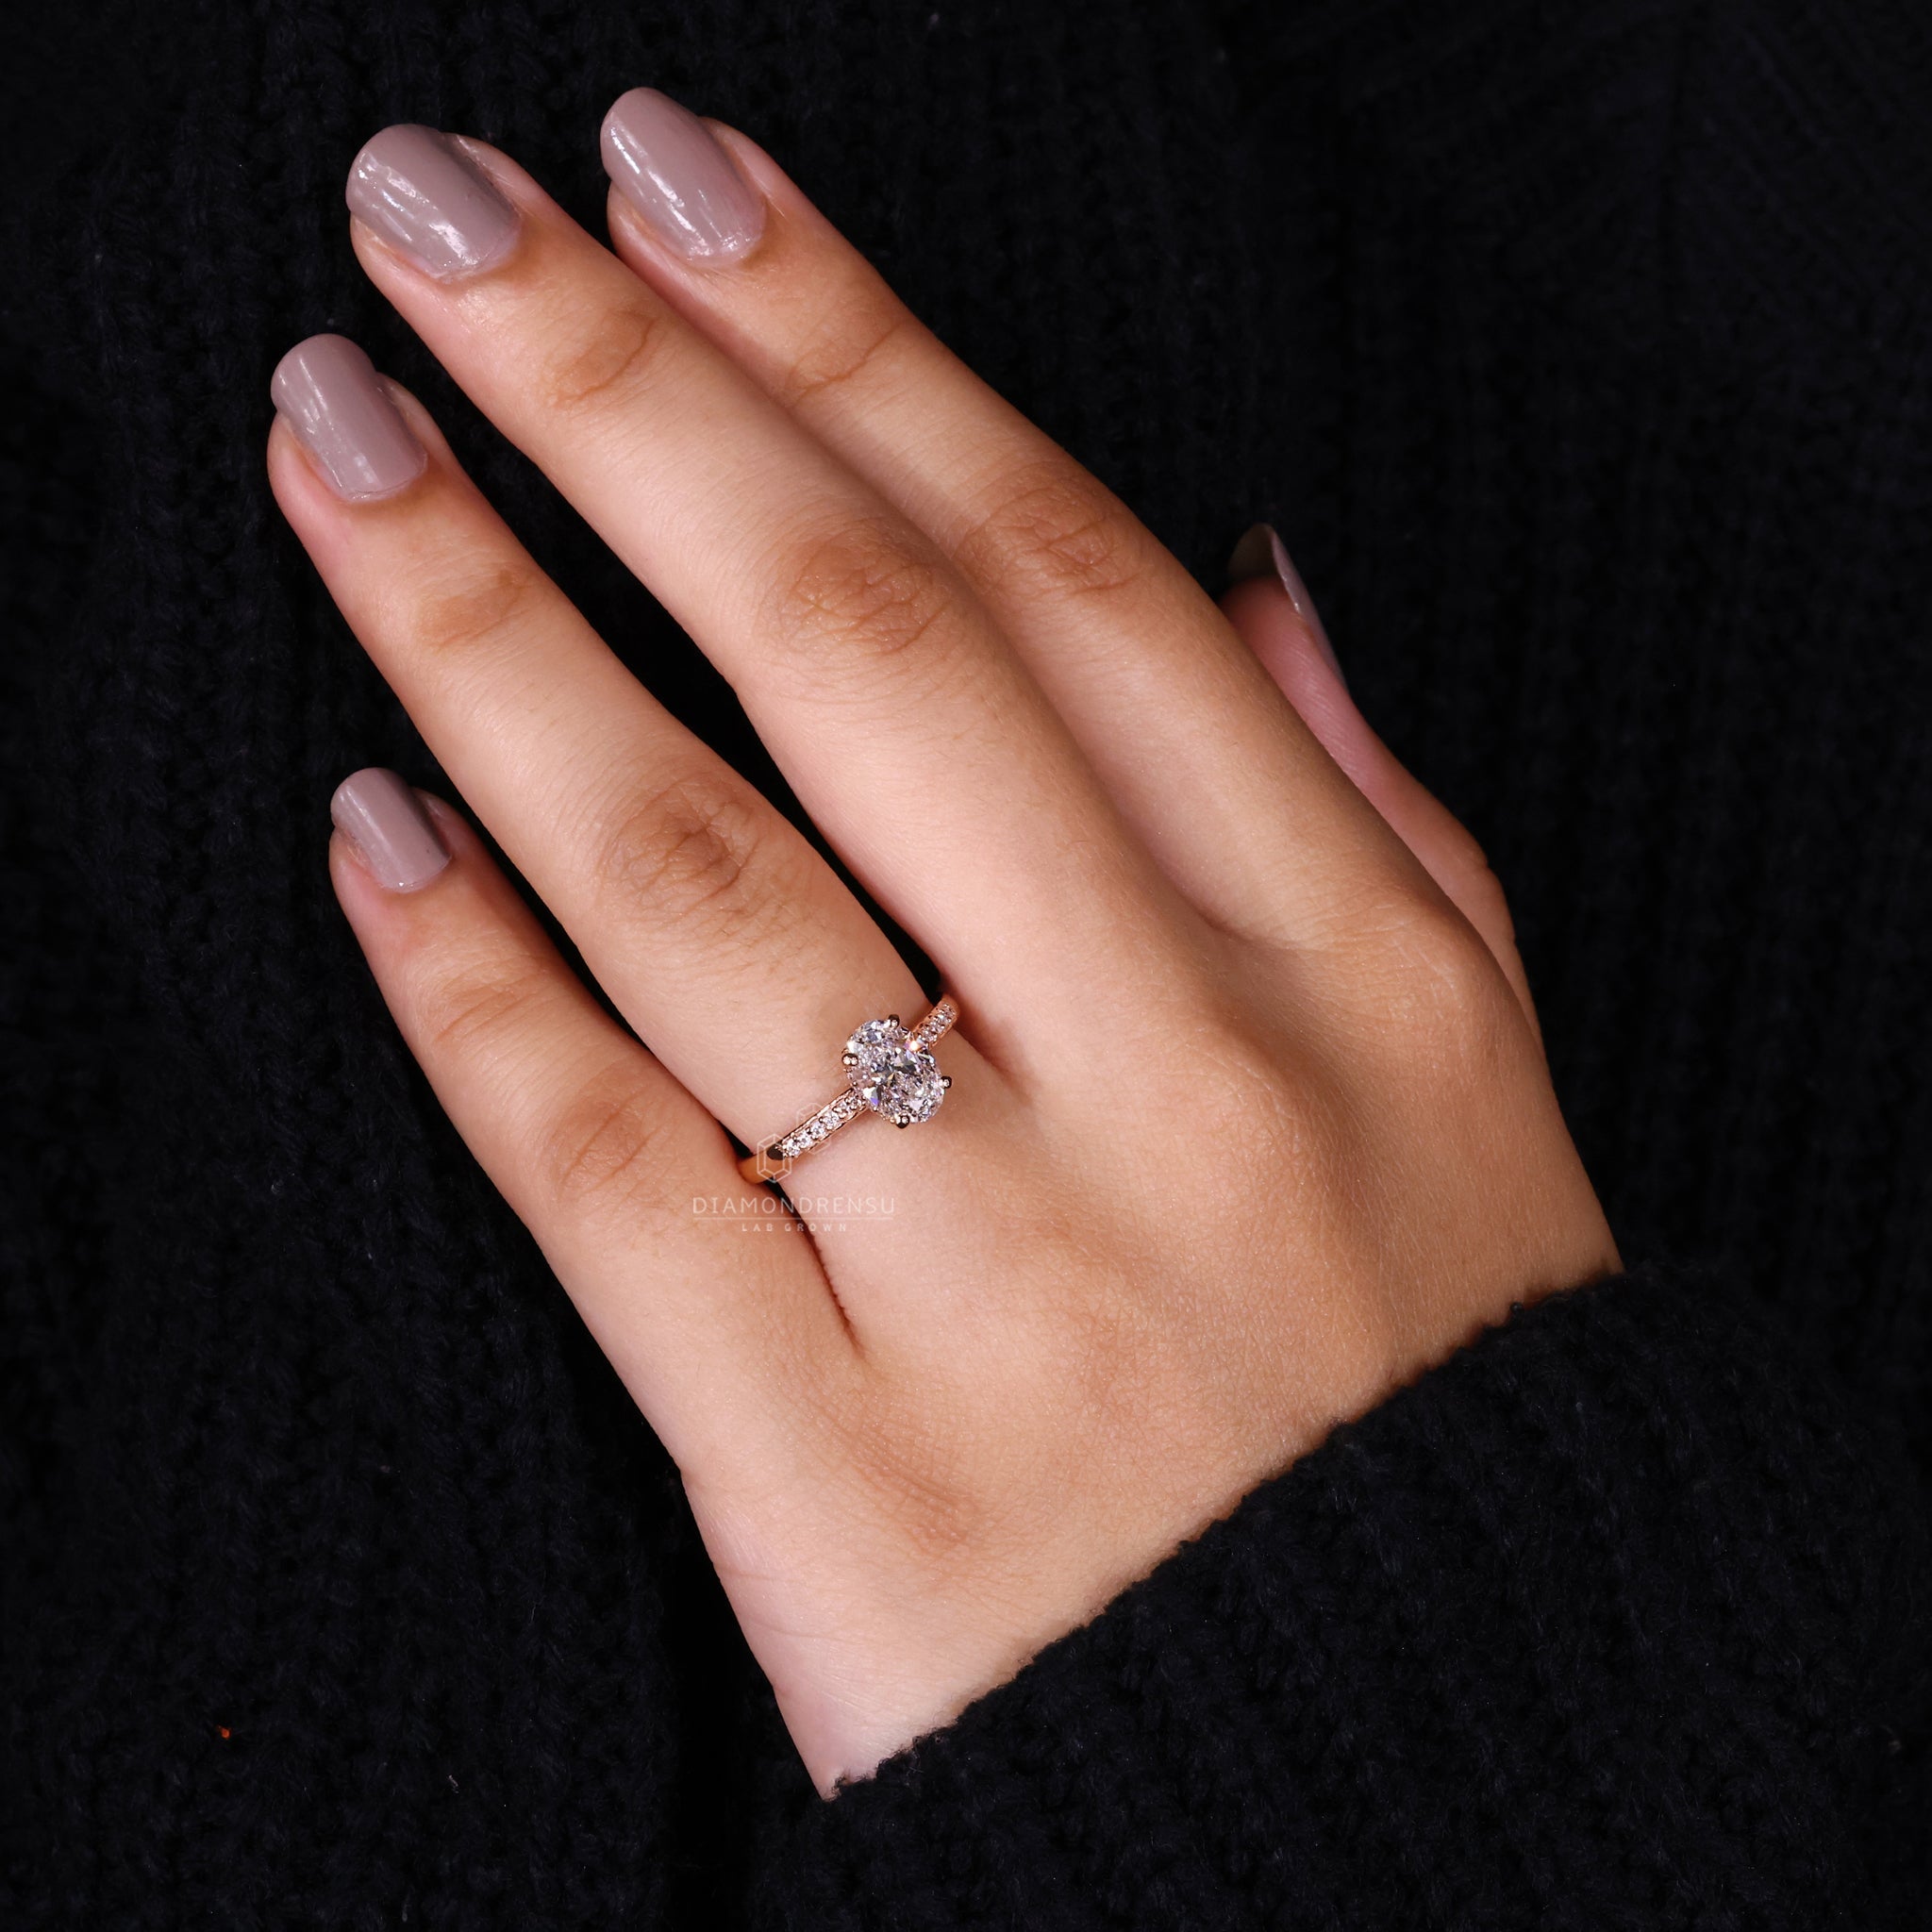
[889,1071]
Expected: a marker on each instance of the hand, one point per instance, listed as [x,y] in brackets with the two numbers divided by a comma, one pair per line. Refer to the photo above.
[1249,1119]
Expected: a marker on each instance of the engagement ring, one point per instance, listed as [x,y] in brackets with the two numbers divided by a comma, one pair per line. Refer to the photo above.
[889,1070]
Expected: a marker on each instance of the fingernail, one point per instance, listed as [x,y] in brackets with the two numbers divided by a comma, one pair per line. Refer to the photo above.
[394,837]
[665,163]
[1261,554]
[327,391]
[427,198]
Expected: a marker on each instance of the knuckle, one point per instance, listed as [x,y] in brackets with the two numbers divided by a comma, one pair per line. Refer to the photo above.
[1266,1114]
[865,590]
[461,1011]
[1477,887]
[463,615]
[605,1148]
[1059,532]
[688,848]
[846,347]
[620,351]
[909,1468]
[1461,850]
[1258,1099]
[1452,1002]
[1481,896]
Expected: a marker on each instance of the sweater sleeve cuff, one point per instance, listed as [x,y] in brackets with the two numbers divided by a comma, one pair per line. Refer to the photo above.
[1604,1621]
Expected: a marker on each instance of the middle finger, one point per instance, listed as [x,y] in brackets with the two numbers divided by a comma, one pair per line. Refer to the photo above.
[904,720]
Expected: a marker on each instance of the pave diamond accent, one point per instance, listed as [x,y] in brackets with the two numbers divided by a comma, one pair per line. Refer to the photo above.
[808,1133]
[936,1023]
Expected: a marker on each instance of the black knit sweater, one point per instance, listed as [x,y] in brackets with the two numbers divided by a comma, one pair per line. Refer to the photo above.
[1583,355]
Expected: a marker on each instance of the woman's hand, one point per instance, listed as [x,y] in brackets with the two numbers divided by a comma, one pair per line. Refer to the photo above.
[1249,1121]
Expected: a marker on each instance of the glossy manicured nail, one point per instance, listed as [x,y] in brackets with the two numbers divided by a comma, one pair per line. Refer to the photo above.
[428,199]
[1263,554]
[395,838]
[330,395]
[665,163]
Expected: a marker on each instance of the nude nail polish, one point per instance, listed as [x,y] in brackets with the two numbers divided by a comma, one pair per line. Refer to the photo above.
[1261,553]
[419,190]
[665,163]
[395,838]
[330,395]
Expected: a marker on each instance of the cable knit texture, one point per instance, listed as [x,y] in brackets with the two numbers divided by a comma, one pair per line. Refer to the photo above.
[1581,355]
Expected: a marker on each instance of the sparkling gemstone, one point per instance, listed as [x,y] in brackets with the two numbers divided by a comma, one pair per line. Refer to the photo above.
[892,1074]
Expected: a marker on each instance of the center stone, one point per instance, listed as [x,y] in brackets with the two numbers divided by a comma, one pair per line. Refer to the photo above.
[900,1080]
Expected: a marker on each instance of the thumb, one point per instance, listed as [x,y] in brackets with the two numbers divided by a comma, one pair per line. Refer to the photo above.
[1268,605]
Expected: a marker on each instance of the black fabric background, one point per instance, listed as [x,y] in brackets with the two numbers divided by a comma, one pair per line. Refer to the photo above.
[1580,354]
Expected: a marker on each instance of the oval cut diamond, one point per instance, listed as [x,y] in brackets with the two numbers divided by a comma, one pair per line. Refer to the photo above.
[891,1075]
